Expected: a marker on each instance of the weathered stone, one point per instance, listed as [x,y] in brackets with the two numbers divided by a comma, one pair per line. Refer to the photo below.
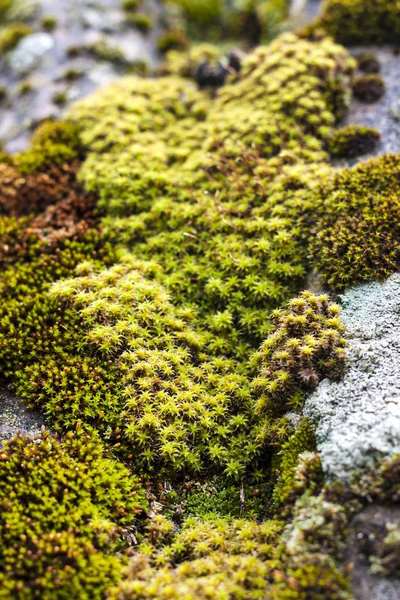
[29,52]
[358,418]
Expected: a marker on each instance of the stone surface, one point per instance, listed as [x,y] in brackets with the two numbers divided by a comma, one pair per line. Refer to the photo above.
[29,52]
[368,530]
[358,418]
[383,115]
[42,60]
[16,417]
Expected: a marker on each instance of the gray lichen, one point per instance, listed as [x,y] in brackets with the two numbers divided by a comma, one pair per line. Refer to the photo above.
[358,418]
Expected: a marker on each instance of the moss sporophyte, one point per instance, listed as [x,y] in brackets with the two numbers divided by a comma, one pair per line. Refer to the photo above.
[155,248]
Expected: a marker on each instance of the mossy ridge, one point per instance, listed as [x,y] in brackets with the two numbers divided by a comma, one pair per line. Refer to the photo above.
[226,168]
[353,22]
[64,508]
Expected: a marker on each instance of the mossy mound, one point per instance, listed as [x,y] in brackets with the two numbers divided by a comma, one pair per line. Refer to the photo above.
[353,140]
[360,21]
[64,508]
[215,209]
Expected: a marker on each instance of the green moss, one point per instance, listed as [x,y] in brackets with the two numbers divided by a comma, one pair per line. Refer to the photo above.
[52,143]
[213,559]
[183,410]
[130,5]
[172,39]
[12,34]
[353,140]
[141,21]
[25,88]
[356,239]
[102,50]
[49,23]
[226,167]
[306,346]
[60,98]
[251,20]
[72,74]
[360,21]
[64,507]
[295,475]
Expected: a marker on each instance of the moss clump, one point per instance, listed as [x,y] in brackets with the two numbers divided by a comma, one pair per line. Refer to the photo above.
[12,34]
[64,507]
[360,21]
[51,144]
[173,39]
[102,50]
[49,23]
[368,63]
[353,140]
[60,98]
[141,21]
[25,88]
[183,410]
[369,88]
[72,74]
[298,468]
[307,345]
[130,5]
[251,20]
[357,237]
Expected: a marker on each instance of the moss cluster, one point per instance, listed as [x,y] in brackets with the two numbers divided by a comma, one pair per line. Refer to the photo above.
[51,144]
[369,88]
[306,346]
[11,35]
[360,21]
[230,558]
[147,243]
[357,236]
[64,508]
[214,209]
[353,140]
[249,20]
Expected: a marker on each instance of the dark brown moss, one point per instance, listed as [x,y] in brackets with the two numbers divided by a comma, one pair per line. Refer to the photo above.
[369,88]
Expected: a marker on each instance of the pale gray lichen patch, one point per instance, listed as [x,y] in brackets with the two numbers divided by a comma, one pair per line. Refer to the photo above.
[358,418]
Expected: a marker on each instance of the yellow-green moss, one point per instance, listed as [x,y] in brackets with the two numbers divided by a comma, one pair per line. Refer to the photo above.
[51,144]
[249,20]
[12,34]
